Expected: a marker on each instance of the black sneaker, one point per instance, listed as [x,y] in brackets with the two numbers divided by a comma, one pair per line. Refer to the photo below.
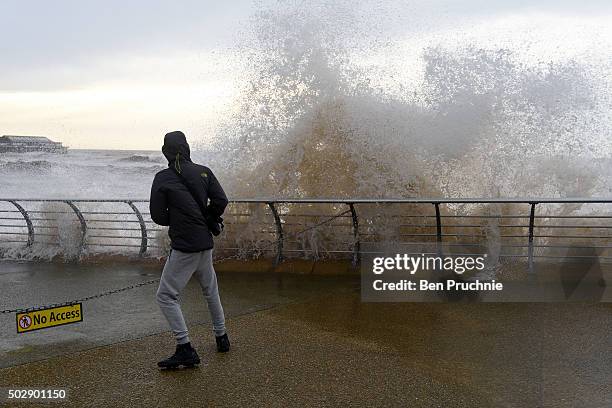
[223,343]
[185,355]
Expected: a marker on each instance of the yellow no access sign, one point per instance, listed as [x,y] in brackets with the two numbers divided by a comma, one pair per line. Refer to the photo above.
[53,316]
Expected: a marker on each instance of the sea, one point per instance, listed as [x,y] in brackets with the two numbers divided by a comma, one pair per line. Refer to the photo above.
[79,174]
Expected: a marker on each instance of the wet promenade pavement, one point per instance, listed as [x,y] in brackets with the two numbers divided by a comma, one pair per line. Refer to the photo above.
[303,341]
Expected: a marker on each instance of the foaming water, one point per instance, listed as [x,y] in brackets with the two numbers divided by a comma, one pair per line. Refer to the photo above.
[472,120]
[94,174]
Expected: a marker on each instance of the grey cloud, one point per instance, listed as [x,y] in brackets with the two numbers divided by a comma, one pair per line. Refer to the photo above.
[61,37]
[46,44]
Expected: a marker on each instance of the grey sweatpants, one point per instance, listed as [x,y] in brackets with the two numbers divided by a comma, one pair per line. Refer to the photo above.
[179,268]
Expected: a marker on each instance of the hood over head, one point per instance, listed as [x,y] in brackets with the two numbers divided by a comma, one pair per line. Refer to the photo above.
[176,147]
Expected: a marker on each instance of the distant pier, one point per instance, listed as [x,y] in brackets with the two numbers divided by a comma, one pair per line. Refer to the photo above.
[23,144]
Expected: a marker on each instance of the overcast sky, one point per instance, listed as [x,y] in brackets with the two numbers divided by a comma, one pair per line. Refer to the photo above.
[119,74]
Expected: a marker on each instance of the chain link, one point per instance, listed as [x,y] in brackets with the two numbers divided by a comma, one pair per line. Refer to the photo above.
[84,299]
[152,281]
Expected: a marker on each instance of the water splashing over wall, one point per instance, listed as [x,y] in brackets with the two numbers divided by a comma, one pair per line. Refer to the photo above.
[313,121]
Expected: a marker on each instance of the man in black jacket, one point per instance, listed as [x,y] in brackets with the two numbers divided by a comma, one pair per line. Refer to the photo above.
[173,204]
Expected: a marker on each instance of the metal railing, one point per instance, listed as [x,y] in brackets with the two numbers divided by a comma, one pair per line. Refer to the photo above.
[527,229]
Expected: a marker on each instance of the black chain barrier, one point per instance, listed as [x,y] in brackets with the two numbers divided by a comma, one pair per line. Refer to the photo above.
[152,281]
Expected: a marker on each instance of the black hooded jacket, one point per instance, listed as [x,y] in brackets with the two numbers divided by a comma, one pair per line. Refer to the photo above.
[173,205]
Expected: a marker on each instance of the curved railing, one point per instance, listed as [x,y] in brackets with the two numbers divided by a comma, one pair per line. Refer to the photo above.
[526,229]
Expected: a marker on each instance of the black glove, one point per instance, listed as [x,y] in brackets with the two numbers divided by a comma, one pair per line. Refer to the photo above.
[214,224]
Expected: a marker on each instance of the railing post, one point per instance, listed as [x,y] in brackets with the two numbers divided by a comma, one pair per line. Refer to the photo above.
[356,243]
[143,228]
[82,222]
[530,247]
[25,215]
[279,234]
[438,229]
